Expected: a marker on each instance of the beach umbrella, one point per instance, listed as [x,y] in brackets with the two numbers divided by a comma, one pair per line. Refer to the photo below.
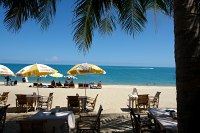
[21,71]
[56,75]
[5,71]
[84,69]
[38,70]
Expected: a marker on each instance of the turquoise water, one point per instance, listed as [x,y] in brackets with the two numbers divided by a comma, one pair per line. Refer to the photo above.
[122,75]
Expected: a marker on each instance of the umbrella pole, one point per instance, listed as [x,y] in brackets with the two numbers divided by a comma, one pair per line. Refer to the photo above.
[85,86]
[37,85]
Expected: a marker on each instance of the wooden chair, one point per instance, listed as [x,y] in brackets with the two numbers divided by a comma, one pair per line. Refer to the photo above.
[24,102]
[46,101]
[3,110]
[89,123]
[32,126]
[73,104]
[142,102]
[154,101]
[90,103]
[141,125]
[4,98]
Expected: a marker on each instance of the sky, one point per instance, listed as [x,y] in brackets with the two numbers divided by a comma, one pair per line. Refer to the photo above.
[154,47]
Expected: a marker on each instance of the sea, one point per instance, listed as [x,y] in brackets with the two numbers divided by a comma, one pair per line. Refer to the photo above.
[115,75]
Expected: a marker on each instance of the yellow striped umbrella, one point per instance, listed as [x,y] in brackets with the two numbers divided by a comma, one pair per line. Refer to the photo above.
[37,70]
[21,72]
[85,68]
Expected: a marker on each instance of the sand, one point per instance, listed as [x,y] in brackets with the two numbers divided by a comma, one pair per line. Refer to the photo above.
[113,98]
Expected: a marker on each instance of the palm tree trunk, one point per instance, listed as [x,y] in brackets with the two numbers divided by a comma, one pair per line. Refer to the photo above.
[187,58]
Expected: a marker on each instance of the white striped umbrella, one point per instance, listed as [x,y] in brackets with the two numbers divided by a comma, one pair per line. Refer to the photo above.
[5,71]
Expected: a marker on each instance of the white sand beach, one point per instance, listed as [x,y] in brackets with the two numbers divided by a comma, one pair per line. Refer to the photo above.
[113,98]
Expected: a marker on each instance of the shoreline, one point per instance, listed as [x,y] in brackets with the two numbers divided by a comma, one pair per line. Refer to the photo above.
[113,98]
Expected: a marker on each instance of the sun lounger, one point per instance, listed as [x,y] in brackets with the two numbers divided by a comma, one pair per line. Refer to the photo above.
[80,85]
[83,85]
[66,85]
[71,85]
[58,84]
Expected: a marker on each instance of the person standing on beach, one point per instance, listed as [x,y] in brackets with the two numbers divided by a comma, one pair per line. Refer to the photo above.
[7,79]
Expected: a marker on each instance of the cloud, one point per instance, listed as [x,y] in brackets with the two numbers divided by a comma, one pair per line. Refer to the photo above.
[53,59]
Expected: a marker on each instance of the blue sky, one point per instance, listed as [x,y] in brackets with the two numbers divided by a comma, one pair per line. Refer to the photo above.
[152,47]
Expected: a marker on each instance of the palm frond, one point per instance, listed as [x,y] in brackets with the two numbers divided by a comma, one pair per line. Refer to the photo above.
[19,11]
[47,9]
[107,25]
[132,17]
[87,18]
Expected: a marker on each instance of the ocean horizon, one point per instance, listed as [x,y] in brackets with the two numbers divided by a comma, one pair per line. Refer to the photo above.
[115,75]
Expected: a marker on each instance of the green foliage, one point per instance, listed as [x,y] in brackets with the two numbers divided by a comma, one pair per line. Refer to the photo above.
[20,11]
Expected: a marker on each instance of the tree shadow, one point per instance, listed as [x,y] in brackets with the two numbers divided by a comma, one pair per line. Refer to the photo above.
[116,123]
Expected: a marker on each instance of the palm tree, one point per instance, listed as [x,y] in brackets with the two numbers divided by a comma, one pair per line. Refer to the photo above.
[187,58]
[131,15]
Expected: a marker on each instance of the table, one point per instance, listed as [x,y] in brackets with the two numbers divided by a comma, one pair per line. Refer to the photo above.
[57,121]
[26,99]
[163,118]
[132,100]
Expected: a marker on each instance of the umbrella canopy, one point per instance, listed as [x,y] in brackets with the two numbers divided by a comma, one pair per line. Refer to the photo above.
[5,71]
[56,75]
[85,68]
[39,70]
[21,72]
